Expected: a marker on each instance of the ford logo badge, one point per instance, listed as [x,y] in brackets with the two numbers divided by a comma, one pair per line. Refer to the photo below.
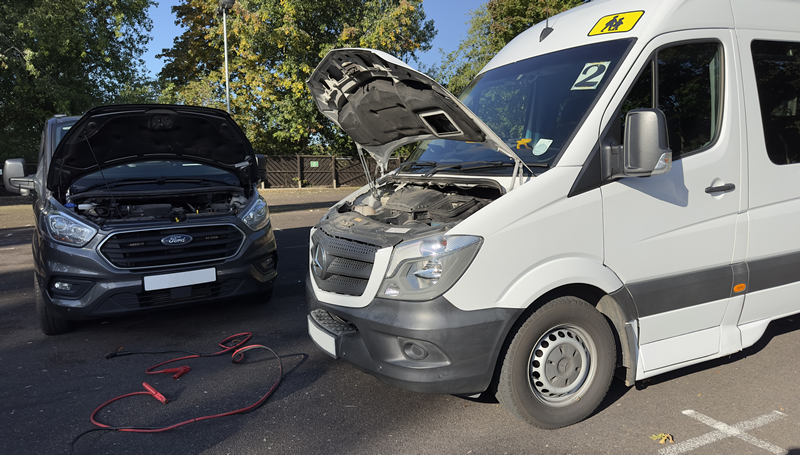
[176,239]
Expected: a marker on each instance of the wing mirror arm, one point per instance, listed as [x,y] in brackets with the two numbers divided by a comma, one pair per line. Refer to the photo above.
[644,152]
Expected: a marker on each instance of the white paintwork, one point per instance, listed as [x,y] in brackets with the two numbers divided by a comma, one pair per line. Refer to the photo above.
[774,204]
[635,229]
[752,332]
[534,228]
[323,339]
[179,279]
[678,350]
[773,303]
[674,216]
[678,322]
[730,335]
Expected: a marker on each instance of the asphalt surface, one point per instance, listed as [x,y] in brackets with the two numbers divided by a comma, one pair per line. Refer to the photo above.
[744,403]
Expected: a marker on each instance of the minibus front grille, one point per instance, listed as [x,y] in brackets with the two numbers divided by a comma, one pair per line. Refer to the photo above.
[341,265]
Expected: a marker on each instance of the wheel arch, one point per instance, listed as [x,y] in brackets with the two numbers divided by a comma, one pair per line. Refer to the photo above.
[618,309]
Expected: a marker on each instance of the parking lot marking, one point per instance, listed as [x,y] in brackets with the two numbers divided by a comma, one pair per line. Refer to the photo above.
[726,431]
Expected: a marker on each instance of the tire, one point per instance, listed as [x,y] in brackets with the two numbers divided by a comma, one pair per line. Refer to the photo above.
[49,324]
[559,366]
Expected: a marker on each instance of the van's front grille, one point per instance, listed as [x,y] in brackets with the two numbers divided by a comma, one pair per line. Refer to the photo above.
[194,293]
[145,249]
[341,265]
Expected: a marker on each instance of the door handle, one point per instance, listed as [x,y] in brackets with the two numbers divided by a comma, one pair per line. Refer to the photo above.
[721,188]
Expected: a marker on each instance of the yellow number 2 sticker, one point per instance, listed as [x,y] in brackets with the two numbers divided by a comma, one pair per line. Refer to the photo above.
[616,23]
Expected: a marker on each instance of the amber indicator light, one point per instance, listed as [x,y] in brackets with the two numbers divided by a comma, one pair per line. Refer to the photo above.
[739,287]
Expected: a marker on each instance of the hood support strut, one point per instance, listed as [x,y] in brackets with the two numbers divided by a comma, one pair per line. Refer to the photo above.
[365,166]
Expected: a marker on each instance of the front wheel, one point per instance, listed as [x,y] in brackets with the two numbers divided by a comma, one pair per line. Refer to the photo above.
[559,366]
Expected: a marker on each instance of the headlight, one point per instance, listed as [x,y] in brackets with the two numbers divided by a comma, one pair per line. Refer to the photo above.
[426,268]
[66,230]
[258,217]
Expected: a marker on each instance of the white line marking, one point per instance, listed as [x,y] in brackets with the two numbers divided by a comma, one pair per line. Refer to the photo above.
[726,431]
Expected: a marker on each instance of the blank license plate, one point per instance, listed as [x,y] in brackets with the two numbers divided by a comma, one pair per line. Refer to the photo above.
[323,339]
[176,280]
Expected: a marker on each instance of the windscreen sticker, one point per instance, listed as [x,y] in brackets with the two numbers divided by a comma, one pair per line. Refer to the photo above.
[591,76]
[397,230]
[541,146]
[616,23]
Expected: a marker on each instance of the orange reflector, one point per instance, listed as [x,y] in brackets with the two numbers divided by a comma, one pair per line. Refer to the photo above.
[739,287]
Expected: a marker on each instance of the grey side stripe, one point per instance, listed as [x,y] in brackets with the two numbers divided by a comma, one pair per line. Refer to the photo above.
[681,291]
[773,272]
[690,289]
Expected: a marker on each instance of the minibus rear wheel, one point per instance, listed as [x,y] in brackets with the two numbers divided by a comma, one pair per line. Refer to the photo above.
[559,366]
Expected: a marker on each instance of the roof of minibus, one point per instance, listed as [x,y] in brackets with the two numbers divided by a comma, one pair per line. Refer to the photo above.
[605,20]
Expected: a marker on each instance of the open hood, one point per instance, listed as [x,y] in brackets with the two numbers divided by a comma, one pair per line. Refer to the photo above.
[383,104]
[112,135]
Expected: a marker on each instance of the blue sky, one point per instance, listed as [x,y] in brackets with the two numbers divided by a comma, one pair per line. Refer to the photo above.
[449,16]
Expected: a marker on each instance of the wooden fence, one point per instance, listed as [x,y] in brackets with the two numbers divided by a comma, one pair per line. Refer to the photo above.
[318,171]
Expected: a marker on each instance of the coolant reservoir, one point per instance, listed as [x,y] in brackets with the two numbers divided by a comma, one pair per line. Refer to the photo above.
[364,210]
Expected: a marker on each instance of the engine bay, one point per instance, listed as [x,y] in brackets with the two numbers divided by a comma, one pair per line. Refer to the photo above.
[174,207]
[419,205]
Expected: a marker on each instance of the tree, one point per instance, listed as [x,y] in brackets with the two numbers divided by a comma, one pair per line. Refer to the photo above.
[492,26]
[64,57]
[274,46]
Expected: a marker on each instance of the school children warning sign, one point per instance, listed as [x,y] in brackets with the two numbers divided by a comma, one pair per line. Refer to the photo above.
[616,23]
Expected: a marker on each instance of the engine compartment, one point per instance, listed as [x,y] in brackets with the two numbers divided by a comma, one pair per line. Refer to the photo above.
[431,203]
[174,207]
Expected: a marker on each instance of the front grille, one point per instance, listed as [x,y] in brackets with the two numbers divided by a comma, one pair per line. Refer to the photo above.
[346,265]
[143,249]
[194,293]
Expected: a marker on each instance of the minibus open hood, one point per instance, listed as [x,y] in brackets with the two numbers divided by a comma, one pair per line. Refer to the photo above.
[108,136]
[383,104]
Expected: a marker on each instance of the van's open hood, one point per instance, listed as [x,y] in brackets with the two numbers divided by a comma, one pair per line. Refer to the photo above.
[383,104]
[112,135]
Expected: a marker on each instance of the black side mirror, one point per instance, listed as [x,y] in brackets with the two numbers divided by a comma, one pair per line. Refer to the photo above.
[14,178]
[644,151]
[261,162]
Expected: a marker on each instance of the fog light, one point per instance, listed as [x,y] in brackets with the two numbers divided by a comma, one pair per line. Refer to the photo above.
[392,290]
[414,351]
[61,286]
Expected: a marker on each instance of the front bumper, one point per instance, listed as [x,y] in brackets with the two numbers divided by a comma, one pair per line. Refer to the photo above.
[428,347]
[108,291]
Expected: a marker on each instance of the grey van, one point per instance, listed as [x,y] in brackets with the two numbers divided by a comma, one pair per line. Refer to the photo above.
[144,207]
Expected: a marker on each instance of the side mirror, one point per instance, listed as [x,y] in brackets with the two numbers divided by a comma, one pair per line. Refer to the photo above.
[261,162]
[644,151]
[14,178]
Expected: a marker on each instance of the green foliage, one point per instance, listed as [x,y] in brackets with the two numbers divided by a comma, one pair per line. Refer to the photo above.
[274,45]
[492,26]
[64,57]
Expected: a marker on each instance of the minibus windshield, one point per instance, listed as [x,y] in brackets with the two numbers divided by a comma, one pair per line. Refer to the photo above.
[533,105]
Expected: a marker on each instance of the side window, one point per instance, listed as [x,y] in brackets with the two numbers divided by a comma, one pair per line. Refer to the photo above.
[685,82]
[777,67]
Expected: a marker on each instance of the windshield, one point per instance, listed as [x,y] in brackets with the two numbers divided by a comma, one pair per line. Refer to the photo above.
[155,176]
[61,130]
[533,105]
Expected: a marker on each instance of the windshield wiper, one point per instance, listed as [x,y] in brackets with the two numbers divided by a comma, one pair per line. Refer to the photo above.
[473,165]
[412,164]
[156,181]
